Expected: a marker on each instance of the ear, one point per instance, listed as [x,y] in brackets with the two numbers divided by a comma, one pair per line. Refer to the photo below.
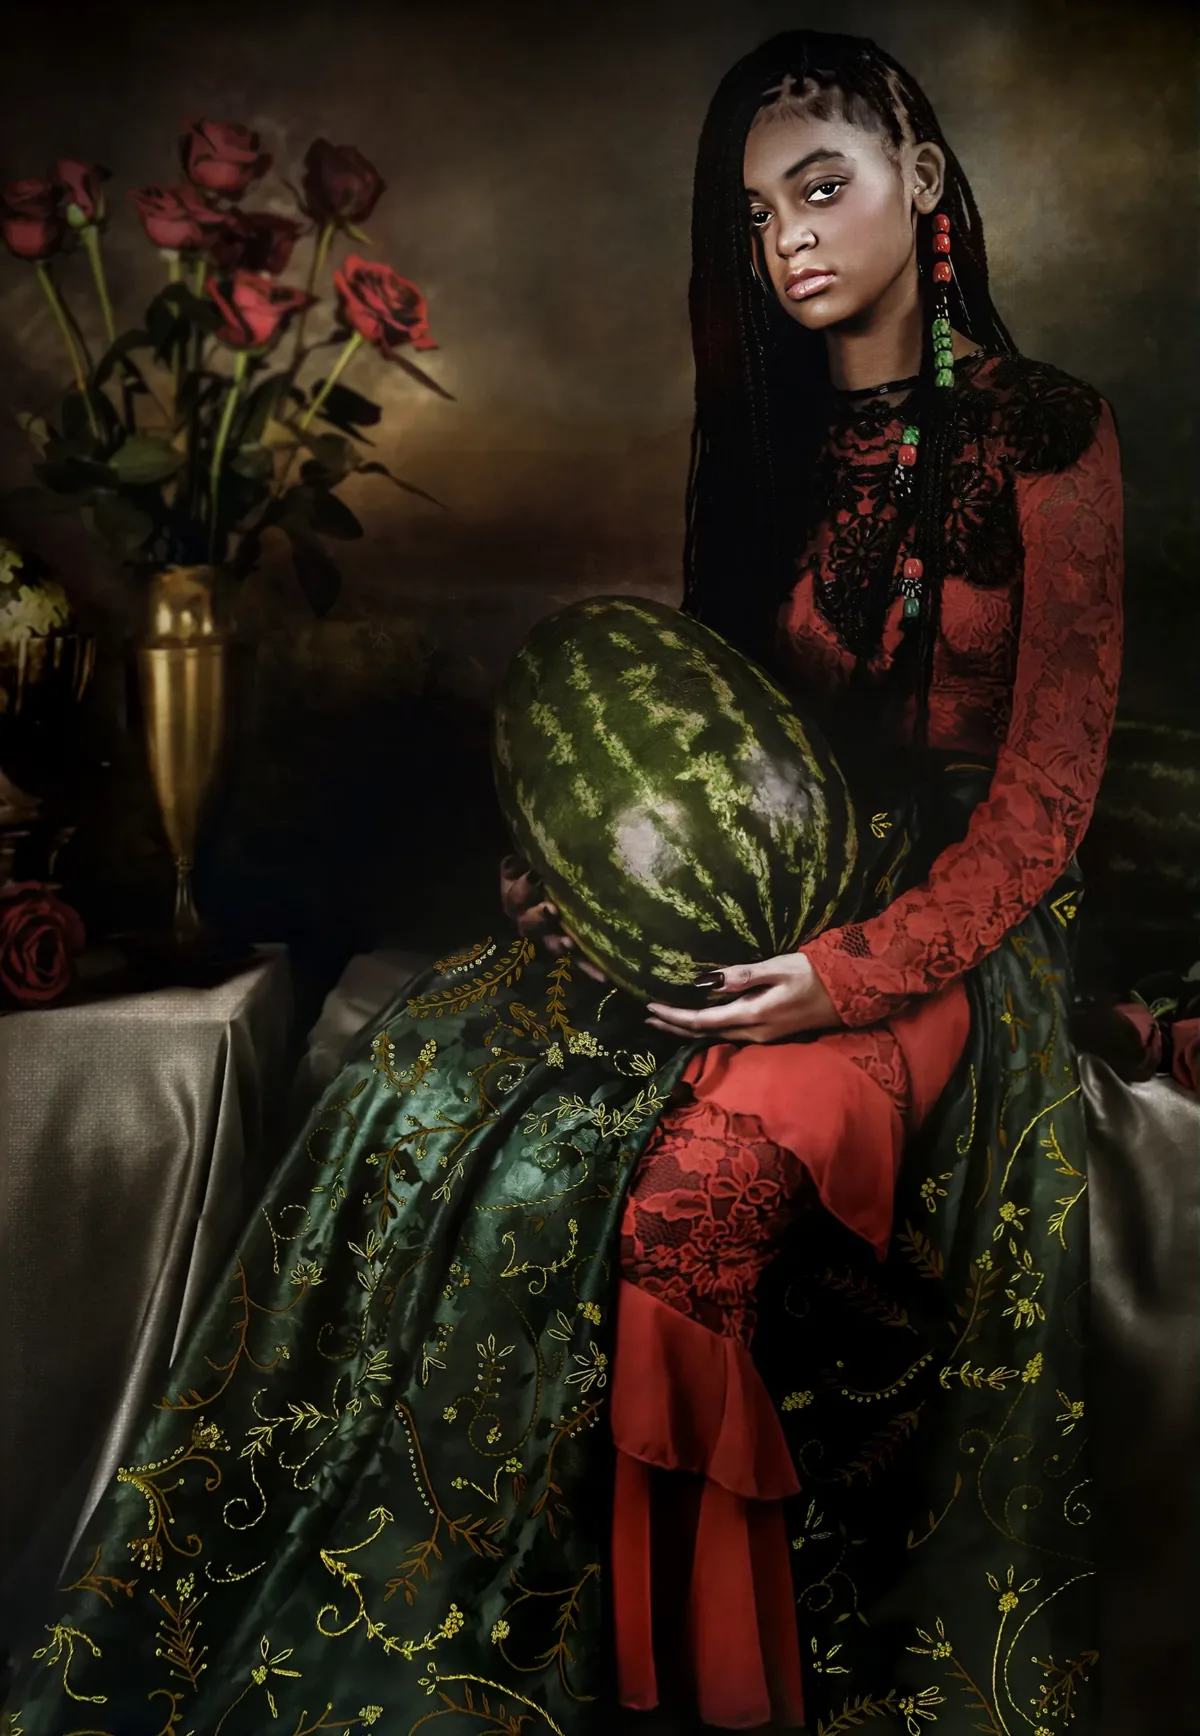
[927,176]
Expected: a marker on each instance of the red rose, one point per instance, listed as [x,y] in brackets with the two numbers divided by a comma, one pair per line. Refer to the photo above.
[31,219]
[340,185]
[176,217]
[254,241]
[222,158]
[82,186]
[255,311]
[382,306]
[38,934]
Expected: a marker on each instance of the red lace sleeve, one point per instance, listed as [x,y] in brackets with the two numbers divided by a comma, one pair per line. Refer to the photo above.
[1048,768]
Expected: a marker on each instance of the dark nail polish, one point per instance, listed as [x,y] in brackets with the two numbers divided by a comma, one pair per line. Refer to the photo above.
[709,979]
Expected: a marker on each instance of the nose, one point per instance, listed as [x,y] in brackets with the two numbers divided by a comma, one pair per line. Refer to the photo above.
[793,235]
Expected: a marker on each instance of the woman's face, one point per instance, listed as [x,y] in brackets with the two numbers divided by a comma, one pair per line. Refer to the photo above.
[834,215]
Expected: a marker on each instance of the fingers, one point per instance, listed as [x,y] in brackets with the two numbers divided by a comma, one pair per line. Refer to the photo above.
[591,970]
[745,1012]
[737,979]
[735,1034]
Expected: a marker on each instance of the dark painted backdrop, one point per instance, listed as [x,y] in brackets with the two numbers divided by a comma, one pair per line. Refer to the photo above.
[538,160]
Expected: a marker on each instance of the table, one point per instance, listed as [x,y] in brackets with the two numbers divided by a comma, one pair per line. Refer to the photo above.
[133,1137]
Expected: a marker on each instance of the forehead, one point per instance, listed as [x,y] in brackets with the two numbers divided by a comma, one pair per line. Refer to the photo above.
[781,138]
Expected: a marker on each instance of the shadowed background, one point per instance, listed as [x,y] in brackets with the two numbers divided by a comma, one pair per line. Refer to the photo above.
[539,162]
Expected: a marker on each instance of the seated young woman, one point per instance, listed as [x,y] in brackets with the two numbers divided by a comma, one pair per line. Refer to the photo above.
[729,1361]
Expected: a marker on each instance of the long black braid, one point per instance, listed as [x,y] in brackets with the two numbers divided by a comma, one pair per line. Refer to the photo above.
[763,396]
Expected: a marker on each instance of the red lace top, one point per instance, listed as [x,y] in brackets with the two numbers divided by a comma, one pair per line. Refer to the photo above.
[1025,669]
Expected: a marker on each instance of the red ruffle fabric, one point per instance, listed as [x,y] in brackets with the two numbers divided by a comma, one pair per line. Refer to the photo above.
[714,1190]
[687,1400]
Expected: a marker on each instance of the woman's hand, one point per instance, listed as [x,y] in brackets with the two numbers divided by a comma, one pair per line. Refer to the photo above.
[524,901]
[781,997]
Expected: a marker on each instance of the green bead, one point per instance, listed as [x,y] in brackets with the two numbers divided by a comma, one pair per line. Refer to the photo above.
[910,437]
[912,608]
[944,356]
[944,377]
[941,328]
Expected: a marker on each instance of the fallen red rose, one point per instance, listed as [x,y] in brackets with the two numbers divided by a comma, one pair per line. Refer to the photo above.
[176,217]
[222,157]
[31,219]
[340,185]
[82,187]
[38,935]
[254,241]
[382,306]
[255,311]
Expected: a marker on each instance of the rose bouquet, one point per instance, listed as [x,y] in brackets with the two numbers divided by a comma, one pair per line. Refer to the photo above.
[209,422]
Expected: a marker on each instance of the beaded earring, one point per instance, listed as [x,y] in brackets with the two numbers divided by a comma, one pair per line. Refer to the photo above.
[913,569]
[943,341]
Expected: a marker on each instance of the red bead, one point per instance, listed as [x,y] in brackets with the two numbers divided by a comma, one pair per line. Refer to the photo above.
[941,244]
[907,455]
[913,568]
[941,271]
[942,223]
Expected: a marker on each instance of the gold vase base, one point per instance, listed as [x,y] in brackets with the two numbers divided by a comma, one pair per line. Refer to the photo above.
[162,958]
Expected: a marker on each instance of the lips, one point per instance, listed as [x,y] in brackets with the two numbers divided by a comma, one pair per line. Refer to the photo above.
[808,282]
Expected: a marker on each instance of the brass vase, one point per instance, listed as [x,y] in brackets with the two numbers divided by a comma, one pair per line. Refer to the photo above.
[183,661]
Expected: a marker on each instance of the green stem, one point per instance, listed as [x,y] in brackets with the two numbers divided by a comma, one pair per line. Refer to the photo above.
[239,374]
[91,242]
[64,326]
[175,275]
[316,266]
[199,274]
[335,374]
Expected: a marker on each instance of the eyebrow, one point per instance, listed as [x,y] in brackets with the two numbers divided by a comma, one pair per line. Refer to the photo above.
[820,155]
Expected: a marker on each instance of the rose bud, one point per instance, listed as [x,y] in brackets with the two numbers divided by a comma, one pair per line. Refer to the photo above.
[254,241]
[38,934]
[222,158]
[82,187]
[340,185]
[382,306]
[31,219]
[254,311]
[176,217]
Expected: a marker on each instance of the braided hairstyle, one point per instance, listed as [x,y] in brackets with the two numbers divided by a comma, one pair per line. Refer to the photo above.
[763,394]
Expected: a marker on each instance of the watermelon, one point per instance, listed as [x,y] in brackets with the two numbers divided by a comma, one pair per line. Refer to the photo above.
[680,811]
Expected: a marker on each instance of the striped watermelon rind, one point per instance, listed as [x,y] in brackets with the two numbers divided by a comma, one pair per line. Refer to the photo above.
[681,813]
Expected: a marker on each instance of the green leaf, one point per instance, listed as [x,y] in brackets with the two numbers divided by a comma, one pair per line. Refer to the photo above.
[194,310]
[332,517]
[331,451]
[74,475]
[77,425]
[318,576]
[411,368]
[36,430]
[163,325]
[358,234]
[260,407]
[348,408]
[121,524]
[134,340]
[145,458]
[374,469]
[256,462]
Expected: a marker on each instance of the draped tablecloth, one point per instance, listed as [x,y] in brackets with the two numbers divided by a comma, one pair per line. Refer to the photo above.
[133,1138]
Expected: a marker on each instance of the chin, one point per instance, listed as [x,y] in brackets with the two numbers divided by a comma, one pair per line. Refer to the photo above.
[819,311]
